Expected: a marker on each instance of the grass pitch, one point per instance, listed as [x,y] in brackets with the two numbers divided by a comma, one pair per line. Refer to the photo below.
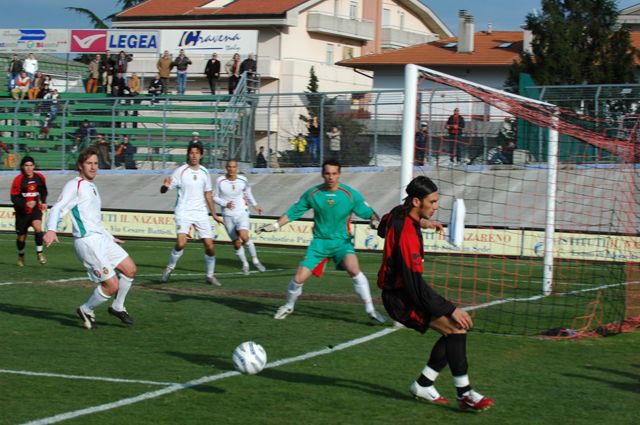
[174,365]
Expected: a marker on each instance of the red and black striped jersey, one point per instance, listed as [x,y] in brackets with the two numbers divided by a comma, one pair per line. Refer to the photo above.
[26,189]
[402,263]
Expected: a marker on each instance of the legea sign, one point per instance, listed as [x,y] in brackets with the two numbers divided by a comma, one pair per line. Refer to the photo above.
[99,41]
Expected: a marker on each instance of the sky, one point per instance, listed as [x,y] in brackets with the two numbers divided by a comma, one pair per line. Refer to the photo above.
[502,14]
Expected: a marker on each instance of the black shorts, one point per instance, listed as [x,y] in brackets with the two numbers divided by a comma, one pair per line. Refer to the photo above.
[403,310]
[23,221]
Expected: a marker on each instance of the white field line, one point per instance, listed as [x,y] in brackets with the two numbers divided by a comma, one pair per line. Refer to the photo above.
[88,378]
[206,379]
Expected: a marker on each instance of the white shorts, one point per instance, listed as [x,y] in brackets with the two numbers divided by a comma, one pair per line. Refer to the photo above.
[201,224]
[100,255]
[233,223]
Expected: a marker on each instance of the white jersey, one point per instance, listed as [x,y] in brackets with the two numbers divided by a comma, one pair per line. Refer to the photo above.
[237,191]
[191,186]
[81,198]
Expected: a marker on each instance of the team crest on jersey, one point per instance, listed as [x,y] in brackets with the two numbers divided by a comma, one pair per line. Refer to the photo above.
[97,273]
[195,177]
[31,187]
[105,270]
[330,202]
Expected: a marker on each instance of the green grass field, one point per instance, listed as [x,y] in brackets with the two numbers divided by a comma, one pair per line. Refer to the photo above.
[174,365]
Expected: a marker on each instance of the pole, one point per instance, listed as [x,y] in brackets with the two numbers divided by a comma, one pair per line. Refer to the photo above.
[408,126]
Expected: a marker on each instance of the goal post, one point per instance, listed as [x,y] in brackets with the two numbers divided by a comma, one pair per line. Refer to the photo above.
[552,241]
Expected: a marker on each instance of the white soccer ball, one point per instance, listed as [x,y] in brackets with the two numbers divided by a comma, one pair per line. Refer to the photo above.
[249,357]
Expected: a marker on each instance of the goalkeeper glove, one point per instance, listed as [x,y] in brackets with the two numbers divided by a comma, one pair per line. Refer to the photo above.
[374,223]
[272,227]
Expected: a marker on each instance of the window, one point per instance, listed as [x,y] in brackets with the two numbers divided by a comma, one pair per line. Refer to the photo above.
[329,58]
[347,53]
[401,20]
[504,45]
[386,17]
[353,10]
[450,45]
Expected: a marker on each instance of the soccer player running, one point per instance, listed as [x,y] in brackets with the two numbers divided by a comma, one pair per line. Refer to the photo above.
[99,251]
[333,204]
[29,198]
[411,302]
[193,183]
[233,194]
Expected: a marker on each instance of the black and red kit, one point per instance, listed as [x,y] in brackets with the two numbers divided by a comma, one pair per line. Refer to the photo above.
[24,189]
[406,296]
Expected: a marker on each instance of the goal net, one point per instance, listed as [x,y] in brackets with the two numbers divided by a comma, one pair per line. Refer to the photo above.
[551,243]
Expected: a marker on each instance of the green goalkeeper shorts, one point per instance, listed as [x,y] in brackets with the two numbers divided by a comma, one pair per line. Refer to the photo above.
[321,250]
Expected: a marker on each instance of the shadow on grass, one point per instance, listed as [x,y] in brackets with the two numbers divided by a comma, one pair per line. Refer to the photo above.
[624,386]
[64,319]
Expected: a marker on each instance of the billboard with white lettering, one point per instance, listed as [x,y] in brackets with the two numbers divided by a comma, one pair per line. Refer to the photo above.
[223,41]
[34,40]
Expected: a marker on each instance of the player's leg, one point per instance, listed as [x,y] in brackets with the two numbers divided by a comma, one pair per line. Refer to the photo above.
[230,224]
[128,270]
[22,226]
[183,227]
[205,233]
[455,344]
[37,227]
[93,252]
[348,260]
[243,234]
[294,290]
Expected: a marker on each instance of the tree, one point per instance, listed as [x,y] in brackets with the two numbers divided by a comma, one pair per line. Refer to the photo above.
[576,42]
[101,23]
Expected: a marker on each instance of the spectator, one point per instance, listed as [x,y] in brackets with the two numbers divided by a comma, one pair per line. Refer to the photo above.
[156,87]
[94,74]
[30,66]
[313,139]
[508,152]
[22,86]
[233,69]
[52,102]
[121,64]
[495,156]
[3,149]
[181,63]
[261,161]
[334,137]
[125,153]
[273,159]
[14,69]
[299,145]
[455,128]
[106,71]
[164,66]
[249,65]
[134,85]
[86,131]
[212,71]
[104,152]
[119,86]
[36,86]
[422,137]
[45,89]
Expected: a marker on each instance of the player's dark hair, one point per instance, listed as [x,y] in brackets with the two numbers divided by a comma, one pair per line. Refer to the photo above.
[84,155]
[333,162]
[420,187]
[27,159]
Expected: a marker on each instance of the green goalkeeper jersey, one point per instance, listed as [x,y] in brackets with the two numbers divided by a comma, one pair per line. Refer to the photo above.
[332,210]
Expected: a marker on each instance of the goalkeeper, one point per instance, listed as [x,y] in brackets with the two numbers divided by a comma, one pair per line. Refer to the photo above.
[409,300]
[333,204]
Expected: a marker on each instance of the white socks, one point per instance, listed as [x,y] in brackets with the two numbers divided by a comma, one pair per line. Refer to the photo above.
[252,250]
[210,261]
[124,284]
[98,297]
[241,256]
[361,286]
[294,290]
[175,256]
[430,373]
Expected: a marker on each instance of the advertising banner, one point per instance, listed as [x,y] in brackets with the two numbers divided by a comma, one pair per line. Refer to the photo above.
[580,246]
[99,41]
[34,40]
[224,42]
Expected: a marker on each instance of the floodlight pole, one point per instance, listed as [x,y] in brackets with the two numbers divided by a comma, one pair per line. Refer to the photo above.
[408,126]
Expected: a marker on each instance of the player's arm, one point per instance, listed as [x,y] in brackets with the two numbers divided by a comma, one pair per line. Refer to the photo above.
[435,225]
[275,226]
[212,207]
[219,199]
[252,200]
[67,200]
[294,212]
[362,209]
[44,192]
[166,185]
[19,202]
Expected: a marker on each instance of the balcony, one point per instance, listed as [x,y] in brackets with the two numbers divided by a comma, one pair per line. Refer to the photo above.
[394,38]
[325,23]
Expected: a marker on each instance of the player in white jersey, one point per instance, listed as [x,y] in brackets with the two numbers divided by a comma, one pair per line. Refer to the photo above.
[193,183]
[233,194]
[98,250]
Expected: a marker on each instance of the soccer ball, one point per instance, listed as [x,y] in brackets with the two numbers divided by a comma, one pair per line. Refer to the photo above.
[249,357]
